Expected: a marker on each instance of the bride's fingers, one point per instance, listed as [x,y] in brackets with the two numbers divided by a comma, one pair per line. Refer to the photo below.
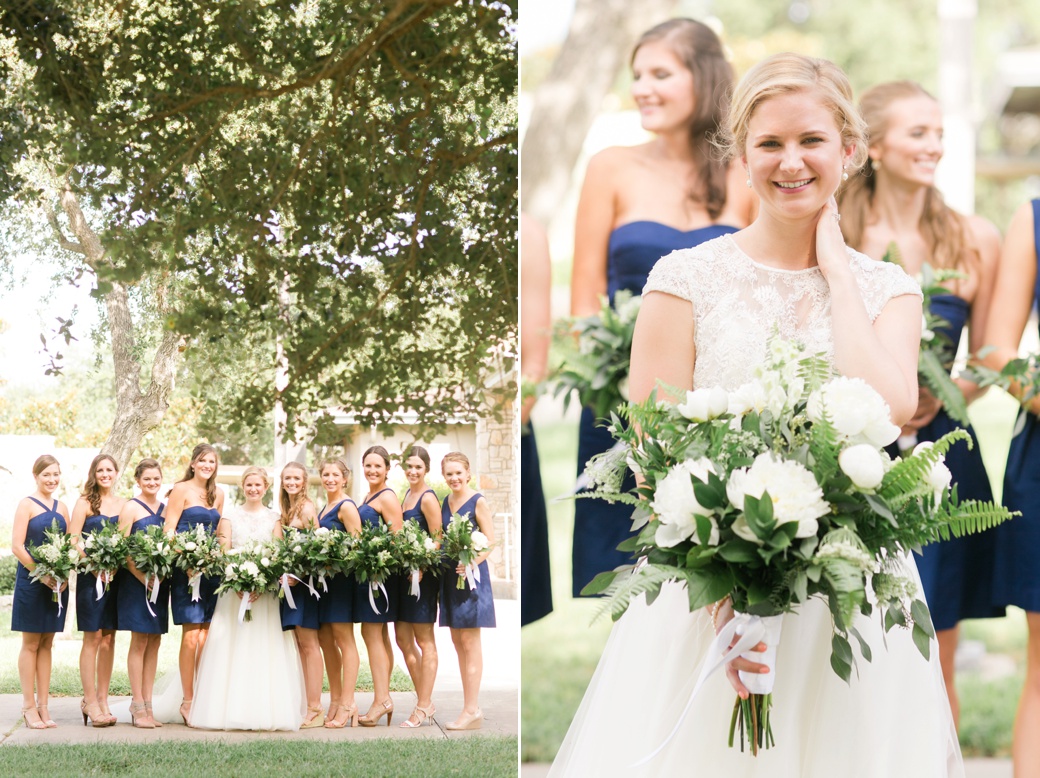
[734,681]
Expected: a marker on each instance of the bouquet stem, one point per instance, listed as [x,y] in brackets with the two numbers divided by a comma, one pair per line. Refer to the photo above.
[751,718]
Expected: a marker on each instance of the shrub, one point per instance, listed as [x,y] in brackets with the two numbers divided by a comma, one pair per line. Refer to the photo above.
[8,566]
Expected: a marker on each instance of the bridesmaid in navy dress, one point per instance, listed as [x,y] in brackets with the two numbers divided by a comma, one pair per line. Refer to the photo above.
[894,199]
[336,607]
[132,607]
[298,512]
[195,499]
[34,612]
[640,203]
[1017,579]
[416,616]
[97,506]
[466,611]
[380,505]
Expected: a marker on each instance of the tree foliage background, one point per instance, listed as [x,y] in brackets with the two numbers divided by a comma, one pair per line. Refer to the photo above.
[338,179]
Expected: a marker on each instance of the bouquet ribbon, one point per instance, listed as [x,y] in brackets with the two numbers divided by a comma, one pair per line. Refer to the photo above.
[310,584]
[372,587]
[153,598]
[98,586]
[287,590]
[243,609]
[57,594]
[195,582]
[472,575]
[414,588]
[752,630]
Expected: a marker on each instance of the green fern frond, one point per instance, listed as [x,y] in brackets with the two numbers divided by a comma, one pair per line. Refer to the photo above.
[906,476]
[627,587]
[625,498]
[972,517]
[936,378]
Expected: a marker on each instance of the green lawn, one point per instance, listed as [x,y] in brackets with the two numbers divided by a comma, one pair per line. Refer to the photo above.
[560,652]
[468,756]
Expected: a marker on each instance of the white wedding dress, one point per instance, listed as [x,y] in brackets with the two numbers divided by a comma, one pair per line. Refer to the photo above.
[250,675]
[892,720]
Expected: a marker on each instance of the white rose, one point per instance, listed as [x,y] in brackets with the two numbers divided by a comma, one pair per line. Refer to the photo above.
[250,568]
[297,549]
[793,489]
[676,506]
[265,562]
[73,554]
[705,403]
[190,546]
[321,531]
[863,464]
[857,411]
[480,541]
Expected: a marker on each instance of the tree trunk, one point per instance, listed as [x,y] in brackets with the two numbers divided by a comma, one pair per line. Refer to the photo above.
[137,411]
[598,44]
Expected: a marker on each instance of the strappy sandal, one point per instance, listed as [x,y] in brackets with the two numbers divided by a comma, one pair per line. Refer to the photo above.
[317,719]
[351,717]
[38,724]
[139,716]
[421,716]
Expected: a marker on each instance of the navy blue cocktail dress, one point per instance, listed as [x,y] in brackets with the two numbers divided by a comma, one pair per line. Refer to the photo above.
[93,614]
[535,577]
[424,609]
[599,527]
[184,610]
[336,606]
[1017,577]
[34,608]
[131,607]
[466,608]
[386,607]
[957,574]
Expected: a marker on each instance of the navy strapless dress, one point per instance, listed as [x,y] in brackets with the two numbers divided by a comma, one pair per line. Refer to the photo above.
[336,606]
[387,606]
[424,609]
[131,608]
[184,610]
[957,574]
[1017,579]
[34,608]
[599,527]
[93,614]
[535,577]
[466,608]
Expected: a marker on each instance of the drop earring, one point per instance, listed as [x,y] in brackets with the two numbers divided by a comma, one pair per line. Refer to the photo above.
[844,172]
[748,170]
[875,165]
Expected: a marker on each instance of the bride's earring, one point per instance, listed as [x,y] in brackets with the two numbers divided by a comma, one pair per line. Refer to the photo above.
[748,177]
[844,172]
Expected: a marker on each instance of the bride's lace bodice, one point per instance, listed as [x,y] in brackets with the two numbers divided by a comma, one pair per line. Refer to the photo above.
[249,528]
[738,302]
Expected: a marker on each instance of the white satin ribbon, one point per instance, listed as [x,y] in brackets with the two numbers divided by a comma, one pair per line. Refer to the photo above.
[472,575]
[321,580]
[195,582]
[150,600]
[244,607]
[99,587]
[752,629]
[310,585]
[287,590]
[373,586]
[57,593]
[414,588]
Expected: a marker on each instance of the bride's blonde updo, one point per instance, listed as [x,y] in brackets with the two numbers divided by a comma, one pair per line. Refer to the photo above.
[784,74]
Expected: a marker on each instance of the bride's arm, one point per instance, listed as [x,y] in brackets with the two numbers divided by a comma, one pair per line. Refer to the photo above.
[662,346]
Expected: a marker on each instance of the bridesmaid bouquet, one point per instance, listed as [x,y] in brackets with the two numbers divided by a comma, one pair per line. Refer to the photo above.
[462,542]
[318,554]
[773,493]
[595,355]
[152,553]
[56,557]
[371,559]
[198,553]
[250,570]
[416,552]
[104,552]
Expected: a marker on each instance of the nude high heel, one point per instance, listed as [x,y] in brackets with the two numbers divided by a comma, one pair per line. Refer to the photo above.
[45,717]
[95,714]
[467,721]
[38,724]
[422,714]
[376,712]
[317,718]
[148,707]
[139,715]
[185,711]
[350,716]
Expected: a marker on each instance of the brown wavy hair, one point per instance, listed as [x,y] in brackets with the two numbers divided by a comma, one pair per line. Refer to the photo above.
[211,483]
[701,52]
[146,464]
[91,491]
[343,467]
[42,463]
[943,229]
[292,508]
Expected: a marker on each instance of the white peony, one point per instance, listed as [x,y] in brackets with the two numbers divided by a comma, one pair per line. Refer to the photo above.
[322,531]
[190,546]
[429,544]
[73,554]
[857,411]
[265,562]
[863,464]
[705,403]
[793,489]
[676,506]
[480,541]
[250,567]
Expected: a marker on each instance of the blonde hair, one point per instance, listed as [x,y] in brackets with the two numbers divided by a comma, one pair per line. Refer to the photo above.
[455,456]
[292,508]
[784,74]
[942,228]
[258,471]
[42,463]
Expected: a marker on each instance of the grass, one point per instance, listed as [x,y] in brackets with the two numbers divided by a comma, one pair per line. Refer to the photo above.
[470,756]
[65,681]
[560,652]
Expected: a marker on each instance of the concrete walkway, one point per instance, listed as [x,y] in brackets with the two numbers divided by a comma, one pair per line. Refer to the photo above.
[973,768]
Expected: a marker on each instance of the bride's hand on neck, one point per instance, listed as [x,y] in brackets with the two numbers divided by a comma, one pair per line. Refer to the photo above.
[831,253]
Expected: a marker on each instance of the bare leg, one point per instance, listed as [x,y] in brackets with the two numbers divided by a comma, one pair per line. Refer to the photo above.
[135,665]
[947,639]
[27,661]
[424,636]
[191,640]
[372,633]
[389,656]
[43,671]
[310,659]
[1025,748]
[471,666]
[88,661]
[405,637]
[333,666]
[344,636]
[150,665]
[106,653]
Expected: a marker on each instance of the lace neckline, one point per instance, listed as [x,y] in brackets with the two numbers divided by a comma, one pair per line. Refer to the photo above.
[812,269]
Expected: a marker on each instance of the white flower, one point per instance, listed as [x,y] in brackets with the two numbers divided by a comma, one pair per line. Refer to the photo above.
[863,464]
[384,557]
[88,541]
[939,477]
[793,489]
[676,506]
[265,562]
[926,334]
[629,309]
[229,571]
[857,411]
[480,541]
[297,549]
[429,544]
[842,549]
[73,554]
[322,531]
[760,395]
[190,546]
[250,567]
[705,403]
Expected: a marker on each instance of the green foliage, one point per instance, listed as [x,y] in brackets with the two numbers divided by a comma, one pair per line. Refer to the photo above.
[8,571]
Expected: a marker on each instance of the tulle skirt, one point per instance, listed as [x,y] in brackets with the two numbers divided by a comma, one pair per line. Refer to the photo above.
[892,720]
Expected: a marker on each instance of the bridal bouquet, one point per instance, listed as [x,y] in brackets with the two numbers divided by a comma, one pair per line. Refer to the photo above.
[249,570]
[56,557]
[595,351]
[152,554]
[104,552]
[464,543]
[774,493]
[371,559]
[416,552]
[198,553]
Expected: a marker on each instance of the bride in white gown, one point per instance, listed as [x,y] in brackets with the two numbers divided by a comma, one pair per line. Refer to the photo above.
[794,129]
[250,675]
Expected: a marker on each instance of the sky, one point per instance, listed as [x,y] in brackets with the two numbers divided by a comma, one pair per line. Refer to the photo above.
[542,23]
